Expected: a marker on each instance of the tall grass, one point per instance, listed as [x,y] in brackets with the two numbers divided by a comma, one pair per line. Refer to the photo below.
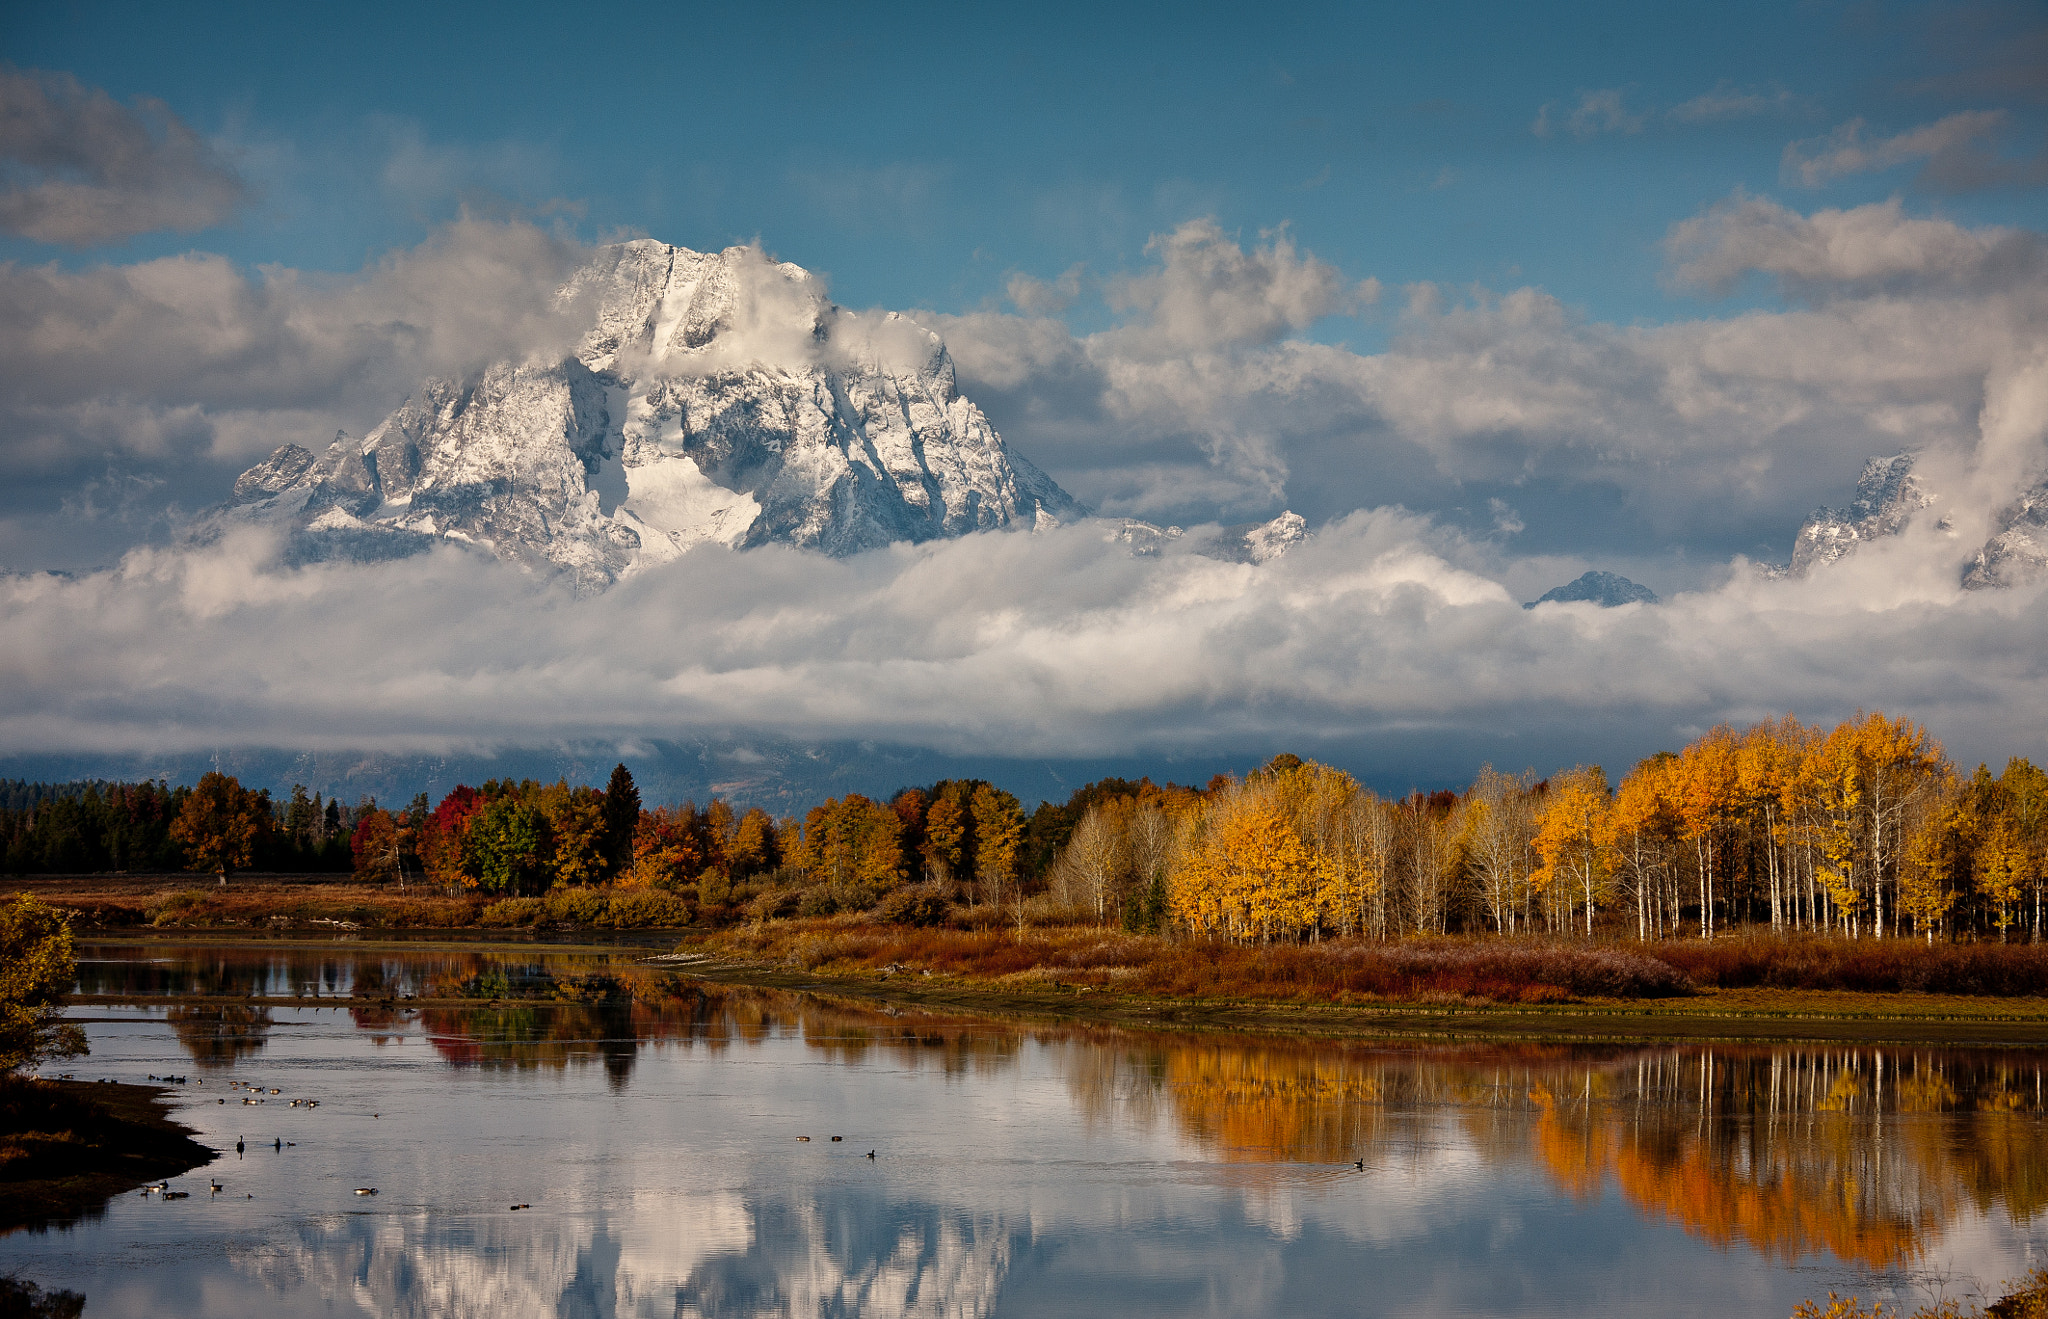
[1880,966]
[1346,971]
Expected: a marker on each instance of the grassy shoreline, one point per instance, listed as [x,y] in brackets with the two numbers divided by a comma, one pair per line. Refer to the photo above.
[70,1147]
[1745,1015]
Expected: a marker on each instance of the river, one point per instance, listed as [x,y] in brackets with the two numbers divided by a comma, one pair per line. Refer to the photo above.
[652,1128]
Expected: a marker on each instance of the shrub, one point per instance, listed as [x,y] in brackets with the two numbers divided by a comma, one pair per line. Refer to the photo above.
[819,901]
[646,910]
[1866,965]
[917,904]
[576,906]
[512,911]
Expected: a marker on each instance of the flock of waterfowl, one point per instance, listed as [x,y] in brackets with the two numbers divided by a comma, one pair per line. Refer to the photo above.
[256,1094]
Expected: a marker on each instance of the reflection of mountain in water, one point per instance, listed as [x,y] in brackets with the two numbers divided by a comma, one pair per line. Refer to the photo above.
[856,1254]
[1870,1156]
[836,1252]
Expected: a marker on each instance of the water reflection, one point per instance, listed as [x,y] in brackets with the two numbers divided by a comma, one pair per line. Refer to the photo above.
[216,1035]
[1863,1154]
[1067,1169]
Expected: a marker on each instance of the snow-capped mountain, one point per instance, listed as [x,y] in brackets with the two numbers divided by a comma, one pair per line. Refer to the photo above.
[1606,589]
[715,397]
[2018,551]
[1247,542]
[1888,495]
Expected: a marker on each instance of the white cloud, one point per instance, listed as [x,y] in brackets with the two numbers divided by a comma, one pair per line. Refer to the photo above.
[1718,433]
[84,169]
[1955,148]
[1727,102]
[1865,249]
[1601,111]
[1210,293]
[190,353]
[1057,644]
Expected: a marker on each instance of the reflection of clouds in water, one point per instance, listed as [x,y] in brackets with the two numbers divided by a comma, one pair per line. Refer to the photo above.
[709,1256]
[861,1256]
[458,1266]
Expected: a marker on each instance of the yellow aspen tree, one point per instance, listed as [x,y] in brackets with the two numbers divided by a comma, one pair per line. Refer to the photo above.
[1704,779]
[2026,793]
[1929,864]
[1764,762]
[1646,826]
[1574,835]
[1833,783]
[2001,871]
[1899,762]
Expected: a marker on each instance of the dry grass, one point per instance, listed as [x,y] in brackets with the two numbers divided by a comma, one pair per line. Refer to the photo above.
[1519,971]
[1886,966]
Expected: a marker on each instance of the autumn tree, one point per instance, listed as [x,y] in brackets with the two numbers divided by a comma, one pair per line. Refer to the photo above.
[946,822]
[577,833]
[1574,835]
[379,846]
[667,853]
[1936,866]
[1246,873]
[756,847]
[221,825]
[998,824]
[508,845]
[442,838]
[1497,834]
[1092,867]
[853,845]
[37,969]
[1646,829]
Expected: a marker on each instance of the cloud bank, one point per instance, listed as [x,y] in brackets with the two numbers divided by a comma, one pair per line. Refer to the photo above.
[1055,644]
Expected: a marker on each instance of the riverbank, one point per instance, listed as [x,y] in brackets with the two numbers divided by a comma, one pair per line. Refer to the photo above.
[1736,1015]
[68,1147]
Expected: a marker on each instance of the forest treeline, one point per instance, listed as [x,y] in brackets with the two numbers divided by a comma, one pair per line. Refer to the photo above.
[1862,829]
[1865,828]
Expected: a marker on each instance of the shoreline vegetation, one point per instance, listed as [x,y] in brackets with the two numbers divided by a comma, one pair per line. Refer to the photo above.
[1862,832]
[994,974]
[70,1147]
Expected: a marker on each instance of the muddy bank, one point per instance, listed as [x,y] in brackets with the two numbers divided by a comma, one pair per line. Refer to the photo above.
[71,1146]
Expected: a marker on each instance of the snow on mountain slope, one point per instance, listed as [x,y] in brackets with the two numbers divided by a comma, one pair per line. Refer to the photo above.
[716,397]
[1888,495]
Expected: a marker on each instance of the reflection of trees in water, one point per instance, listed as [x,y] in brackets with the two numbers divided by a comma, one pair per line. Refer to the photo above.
[1866,1154]
[218,1034]
[829,1252]
[541,1031]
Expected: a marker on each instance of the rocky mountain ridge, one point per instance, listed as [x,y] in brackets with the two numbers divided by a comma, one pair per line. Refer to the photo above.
[715,398]
[1888,496]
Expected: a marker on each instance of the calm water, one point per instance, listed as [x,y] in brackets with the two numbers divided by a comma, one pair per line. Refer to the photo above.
[1015,1171]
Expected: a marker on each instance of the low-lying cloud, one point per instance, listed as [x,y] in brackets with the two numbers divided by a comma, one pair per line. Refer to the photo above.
[1009,644]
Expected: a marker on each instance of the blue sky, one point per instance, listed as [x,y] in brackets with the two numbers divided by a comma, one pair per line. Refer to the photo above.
[918,154]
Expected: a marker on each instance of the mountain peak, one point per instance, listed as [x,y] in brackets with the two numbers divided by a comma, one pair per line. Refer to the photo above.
[1605,589]
[714,398]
